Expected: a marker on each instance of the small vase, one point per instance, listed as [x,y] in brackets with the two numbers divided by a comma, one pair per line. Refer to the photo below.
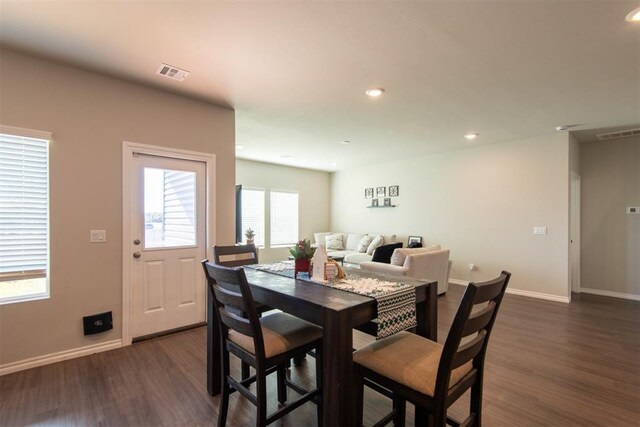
[249,241]
[301,265]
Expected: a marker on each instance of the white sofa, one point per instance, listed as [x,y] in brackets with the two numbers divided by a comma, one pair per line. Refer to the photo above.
[352,256]
[420,263]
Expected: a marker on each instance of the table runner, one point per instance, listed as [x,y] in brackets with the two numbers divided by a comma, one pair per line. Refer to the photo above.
[396,301]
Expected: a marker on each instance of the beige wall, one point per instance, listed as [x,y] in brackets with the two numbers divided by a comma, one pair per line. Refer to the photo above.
[314,190]
[482,203]
[610,238]
[90,115]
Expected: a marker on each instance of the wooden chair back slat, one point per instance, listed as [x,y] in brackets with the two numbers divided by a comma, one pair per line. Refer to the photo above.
[479,320]
[488,290]
[235,322]
[469,350]
[228,255]
[228,297]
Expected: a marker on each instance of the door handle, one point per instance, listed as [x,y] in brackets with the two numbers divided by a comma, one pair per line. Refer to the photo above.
[136,242]
[137,254]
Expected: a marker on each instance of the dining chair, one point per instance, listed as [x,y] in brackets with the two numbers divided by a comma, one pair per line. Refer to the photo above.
[237,256]
[432,376]
[266,344]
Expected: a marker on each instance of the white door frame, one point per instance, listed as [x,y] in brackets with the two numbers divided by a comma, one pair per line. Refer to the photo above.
[128,148]
[574,233]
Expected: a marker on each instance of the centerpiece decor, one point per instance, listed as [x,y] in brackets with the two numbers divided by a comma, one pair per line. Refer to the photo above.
[302,254]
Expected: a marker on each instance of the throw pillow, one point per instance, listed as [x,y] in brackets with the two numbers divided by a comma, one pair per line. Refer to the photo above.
[364,243]
[334,242]
[376,242]
[319,237]
[383,253]
[352,241]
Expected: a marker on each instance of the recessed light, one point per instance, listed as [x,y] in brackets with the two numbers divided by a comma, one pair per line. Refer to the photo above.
[334,164]
[345,142]
[561,128]
[634,16]
[471,136]
[239,147]
[287,157]
[374,91]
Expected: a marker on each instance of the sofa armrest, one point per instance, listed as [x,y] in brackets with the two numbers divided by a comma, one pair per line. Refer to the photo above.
[382,268]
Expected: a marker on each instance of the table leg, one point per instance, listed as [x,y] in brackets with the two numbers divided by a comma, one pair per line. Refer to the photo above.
[427,317]
[337,357]
[427,314]
[214,363]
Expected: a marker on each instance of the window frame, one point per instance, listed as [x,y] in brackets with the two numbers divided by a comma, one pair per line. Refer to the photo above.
[48,137]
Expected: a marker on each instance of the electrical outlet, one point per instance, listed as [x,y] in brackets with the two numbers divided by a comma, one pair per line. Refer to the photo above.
[633,210]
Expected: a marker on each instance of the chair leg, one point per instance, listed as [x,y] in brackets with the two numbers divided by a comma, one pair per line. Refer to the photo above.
[476,402]
[400,408]
[422,417]
[319,384]
[261,394]
[358,400]
[282,386]
[224,395]
[297,360]
[245,370]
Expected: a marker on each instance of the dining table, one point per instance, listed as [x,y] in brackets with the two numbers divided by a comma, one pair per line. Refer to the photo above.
[338,312]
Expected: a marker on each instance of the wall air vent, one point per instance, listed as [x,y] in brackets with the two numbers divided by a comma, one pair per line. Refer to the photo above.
[618,134]
[172,72]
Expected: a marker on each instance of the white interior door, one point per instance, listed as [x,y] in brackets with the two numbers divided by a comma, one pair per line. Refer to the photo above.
[168,227]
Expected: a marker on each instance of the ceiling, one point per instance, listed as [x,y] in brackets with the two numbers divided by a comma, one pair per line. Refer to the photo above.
[295,72]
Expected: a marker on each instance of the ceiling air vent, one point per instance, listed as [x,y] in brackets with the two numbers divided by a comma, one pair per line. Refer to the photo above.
[172,72]
[618,134]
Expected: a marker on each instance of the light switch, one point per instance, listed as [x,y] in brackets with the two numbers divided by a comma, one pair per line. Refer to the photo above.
[98,236]
[540,230]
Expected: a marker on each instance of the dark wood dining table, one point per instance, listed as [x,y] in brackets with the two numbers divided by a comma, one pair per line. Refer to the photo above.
[338,313]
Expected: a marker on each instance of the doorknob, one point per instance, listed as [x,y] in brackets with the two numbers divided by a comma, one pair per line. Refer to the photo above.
[137,254]
[136,242]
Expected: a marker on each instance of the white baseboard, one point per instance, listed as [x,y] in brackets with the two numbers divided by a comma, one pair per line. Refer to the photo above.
[539,295]
[58,356]
[531,294]
[633,297]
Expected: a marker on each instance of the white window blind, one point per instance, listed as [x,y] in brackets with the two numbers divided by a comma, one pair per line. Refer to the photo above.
[253,215]
[284,218]
[24,207]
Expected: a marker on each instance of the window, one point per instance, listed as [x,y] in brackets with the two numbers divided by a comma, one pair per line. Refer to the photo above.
[284,218]
[24,214]
[169,208]
[253,215]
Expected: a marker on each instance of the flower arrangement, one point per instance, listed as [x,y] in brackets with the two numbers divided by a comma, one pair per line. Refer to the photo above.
[249,234]
[302,250]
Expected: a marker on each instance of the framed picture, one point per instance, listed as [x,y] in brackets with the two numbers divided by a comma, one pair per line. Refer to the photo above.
[368,193]
[414,240]
[374,202]
[382,191]
[394,190]
[387,202]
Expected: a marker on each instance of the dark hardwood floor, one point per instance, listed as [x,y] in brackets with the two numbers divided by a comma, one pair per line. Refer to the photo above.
[548,364]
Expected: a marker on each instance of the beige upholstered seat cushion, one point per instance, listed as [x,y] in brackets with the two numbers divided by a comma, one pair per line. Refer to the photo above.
[408,359]
[281,332]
